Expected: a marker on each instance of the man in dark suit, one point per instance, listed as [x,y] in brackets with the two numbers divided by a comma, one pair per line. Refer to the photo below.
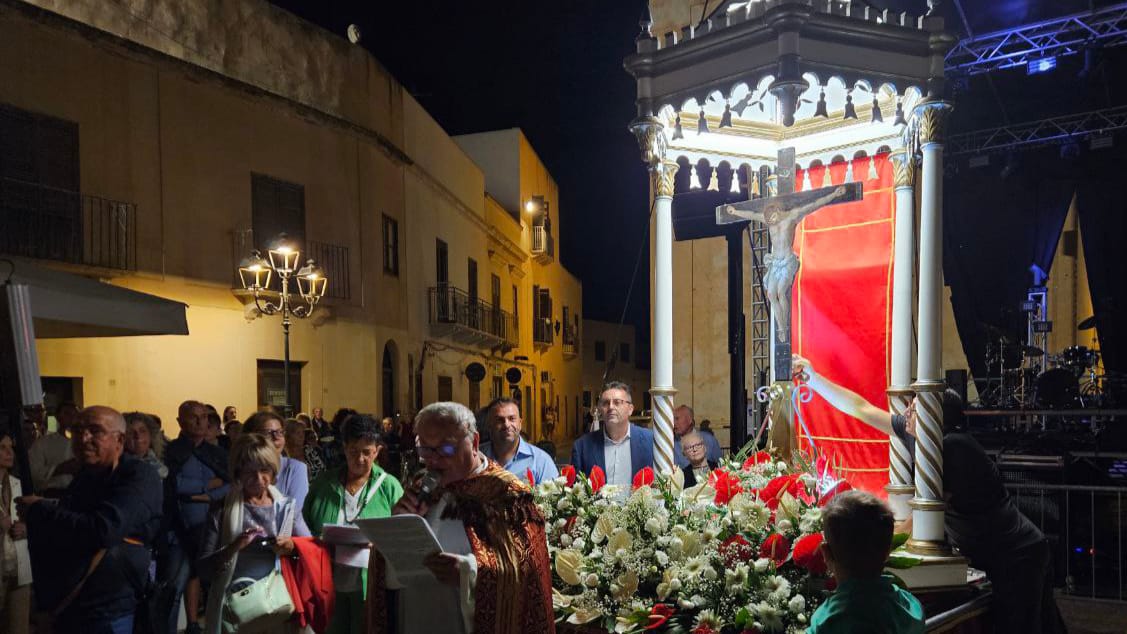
[619,448]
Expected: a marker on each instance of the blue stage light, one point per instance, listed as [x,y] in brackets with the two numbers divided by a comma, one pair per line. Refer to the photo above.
[1042,65]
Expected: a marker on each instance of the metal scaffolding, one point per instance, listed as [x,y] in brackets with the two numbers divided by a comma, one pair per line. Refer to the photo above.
[1103,27]
[1064,129]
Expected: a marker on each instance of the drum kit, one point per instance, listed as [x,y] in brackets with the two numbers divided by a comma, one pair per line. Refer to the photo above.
[1023,376]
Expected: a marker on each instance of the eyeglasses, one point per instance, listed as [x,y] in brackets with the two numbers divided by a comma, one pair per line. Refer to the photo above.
[445,450]
[97,432]
[694,446]
[274,433]
[617,402]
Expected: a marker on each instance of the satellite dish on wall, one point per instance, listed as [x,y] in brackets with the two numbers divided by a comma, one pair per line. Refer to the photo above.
[512,375]
[475,372]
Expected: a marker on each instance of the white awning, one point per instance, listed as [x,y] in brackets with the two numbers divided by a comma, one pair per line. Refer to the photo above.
[68,305]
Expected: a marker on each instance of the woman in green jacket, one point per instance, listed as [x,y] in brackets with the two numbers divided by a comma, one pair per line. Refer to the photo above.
[359,489]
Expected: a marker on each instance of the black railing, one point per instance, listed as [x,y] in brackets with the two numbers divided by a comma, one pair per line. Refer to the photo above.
[63,225]
[542,331]
[571,341]
[333,260]
[453,306]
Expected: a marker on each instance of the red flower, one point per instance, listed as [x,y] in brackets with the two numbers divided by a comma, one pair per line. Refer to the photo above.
[531,478]
[703,629]
[776,548]
[774,490]
[644,478]
[598,478]
[841,486]
[568,472]
[726,485]
[808,553]
[570,523]
[736,550]
[658,616]
[760,457]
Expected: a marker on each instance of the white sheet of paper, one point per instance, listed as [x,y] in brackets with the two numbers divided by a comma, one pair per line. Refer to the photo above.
[352,556]
[343,534]
[404,541]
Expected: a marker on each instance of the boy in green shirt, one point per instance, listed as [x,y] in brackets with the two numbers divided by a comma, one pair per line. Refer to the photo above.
[858,537]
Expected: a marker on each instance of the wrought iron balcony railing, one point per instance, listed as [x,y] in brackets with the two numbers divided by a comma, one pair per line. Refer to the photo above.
[570,342]
[454,312]
[67,226]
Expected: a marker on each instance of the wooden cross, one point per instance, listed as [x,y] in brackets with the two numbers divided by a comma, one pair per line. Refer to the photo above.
[782,213]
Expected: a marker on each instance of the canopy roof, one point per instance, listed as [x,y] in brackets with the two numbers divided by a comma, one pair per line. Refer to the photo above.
[68,305]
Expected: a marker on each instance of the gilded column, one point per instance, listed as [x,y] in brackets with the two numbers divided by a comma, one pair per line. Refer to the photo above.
[927,505]
[651,138]
[900,391]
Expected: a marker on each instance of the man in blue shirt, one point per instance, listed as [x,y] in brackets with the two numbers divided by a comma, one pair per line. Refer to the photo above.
[509,450]
[684,421]
[197,476]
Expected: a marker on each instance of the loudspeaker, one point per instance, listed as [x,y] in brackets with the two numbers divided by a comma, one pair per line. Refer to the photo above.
[957,380]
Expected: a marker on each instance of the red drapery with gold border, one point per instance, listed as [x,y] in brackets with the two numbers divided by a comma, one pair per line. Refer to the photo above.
[842,313]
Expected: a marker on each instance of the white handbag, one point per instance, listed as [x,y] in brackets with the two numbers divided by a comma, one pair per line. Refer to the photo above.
[264,605]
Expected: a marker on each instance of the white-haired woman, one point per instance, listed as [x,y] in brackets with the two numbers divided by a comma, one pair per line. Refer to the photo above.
[244,537]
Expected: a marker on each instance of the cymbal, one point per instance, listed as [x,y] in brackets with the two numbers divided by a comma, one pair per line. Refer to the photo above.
[1032,351]
[1087,324]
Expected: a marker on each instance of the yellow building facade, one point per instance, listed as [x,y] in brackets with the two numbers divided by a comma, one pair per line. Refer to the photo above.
[179,140]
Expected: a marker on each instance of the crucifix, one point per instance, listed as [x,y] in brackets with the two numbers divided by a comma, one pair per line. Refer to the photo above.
[781,213]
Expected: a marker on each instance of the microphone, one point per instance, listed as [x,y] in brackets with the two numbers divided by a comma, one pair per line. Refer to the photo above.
[426,486]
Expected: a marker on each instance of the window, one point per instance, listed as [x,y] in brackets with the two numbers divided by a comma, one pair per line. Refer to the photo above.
[442,262]
[498,387]
[445,388]
[276,207]
[471,278]
[516,306]
[624,352]
[475,396]
[586,398]
[272,384]
[600,351]
[390,245]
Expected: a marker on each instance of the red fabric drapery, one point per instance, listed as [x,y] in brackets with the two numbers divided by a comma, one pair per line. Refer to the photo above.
[842,313]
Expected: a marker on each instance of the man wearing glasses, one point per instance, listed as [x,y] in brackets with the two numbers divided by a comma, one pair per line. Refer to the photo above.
[620,448]
[493,574]
[90,551]
[684,423]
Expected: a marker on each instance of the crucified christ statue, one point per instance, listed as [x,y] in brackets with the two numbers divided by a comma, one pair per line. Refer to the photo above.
[781,262]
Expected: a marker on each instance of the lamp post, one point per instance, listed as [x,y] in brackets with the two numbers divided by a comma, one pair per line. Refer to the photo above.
[255,273]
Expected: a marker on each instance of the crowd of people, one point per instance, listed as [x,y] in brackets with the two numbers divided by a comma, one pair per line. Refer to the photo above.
[108,526]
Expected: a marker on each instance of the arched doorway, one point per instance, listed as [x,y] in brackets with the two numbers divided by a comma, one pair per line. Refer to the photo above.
[388,379]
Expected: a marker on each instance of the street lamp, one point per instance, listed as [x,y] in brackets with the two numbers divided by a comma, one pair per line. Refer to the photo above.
[255,273]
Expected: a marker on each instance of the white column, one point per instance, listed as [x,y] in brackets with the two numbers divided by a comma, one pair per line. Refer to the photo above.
[927,505]
[661,373]
[900,391]
[650,134]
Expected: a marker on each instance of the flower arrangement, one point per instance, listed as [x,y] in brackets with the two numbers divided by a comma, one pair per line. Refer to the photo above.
[738,553]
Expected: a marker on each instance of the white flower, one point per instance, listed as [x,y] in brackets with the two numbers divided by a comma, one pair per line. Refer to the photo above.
[811,521]
[676,546]
[698,600]
[662,558]
[604,526]
[707,618]
[563,504]
[781,466]
[788,507]
[762,564]
[769,616]
[675,584]
[620,542]
[784,525]
[653,526]
[592,580]
[567,566]
[584,615]
[710,573]
[565,540]
[578,543]
[736,577]
[797,604]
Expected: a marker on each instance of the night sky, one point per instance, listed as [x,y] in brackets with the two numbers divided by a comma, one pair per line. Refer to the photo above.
[554,69]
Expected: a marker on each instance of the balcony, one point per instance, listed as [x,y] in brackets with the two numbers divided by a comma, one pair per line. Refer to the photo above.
[543,246]
[48,223]
[332,258]
[570,342]
[454,314]
[542,332]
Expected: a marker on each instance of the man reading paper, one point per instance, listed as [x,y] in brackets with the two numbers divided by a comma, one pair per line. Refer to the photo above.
[493,575]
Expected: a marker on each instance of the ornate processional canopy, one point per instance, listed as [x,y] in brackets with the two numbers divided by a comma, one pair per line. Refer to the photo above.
[832,79]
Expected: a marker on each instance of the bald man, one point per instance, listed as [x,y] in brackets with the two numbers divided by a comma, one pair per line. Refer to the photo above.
[111,511]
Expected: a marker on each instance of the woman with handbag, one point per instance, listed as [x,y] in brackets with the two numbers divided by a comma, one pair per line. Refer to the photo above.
[242,543]
[15,562]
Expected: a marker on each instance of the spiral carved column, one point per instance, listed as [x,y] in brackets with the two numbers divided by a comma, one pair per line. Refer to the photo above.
[928,535]
[900,391]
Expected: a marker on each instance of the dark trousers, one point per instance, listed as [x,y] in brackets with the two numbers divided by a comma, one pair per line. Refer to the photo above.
[1023,592]
[174,568]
